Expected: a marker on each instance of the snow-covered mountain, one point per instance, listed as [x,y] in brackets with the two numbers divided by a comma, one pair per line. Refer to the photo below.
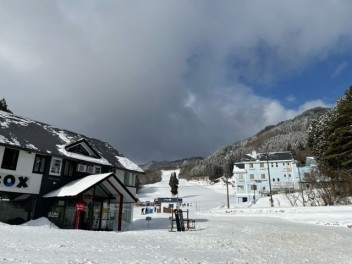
[290,135]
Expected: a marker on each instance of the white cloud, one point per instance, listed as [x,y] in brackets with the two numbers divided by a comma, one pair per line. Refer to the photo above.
[291,98]
[162,80]
[311,104]
[339,69]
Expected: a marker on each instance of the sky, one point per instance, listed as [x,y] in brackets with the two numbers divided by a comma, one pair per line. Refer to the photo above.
[165,80]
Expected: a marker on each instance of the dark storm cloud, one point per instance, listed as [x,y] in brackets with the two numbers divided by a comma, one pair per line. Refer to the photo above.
[160,80]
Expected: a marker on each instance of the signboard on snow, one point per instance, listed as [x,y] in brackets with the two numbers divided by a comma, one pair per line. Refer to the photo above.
[179,220]
[169,200]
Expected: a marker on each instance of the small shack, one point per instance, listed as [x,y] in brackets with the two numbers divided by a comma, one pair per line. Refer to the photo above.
[168,204]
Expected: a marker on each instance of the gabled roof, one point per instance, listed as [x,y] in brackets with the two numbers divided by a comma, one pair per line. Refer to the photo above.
[82,147]
[109,180]
[39,137]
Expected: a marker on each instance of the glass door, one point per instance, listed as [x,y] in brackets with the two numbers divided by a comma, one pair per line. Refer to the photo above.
[105,215]
[96,215]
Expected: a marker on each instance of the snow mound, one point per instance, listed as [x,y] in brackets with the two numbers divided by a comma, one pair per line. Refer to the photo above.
[40,222]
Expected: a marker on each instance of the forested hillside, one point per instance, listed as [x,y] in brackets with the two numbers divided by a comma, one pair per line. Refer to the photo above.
[290,135]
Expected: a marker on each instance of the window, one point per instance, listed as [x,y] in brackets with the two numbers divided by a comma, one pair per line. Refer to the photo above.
[251,165]
[251,176]
[39,164]
[277,165]
[273,179]
[9,161]
[55,167]
[133,179]
[262,165]
[69,168]
[278,179]
[240,188]
[285,175]
[79,149]
[126,178]
[97,169]
[262,176]
[90,169]
[240,176]
[82,168]
[289,175]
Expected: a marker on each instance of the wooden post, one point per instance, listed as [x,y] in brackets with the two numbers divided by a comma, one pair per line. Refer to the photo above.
[172,220]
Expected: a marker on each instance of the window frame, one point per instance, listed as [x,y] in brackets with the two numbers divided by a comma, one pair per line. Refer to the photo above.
[41,167]
[53,159]
[97,169]
[126,178]
[69,168]
[240,188]
[13,160]
[90,169]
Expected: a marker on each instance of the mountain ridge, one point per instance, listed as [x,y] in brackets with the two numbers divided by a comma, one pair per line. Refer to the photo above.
[290,135]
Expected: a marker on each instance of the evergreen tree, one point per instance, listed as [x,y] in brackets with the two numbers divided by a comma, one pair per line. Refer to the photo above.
[228,170]
[318,136]
[215,172]
[339,147]
[3,106]
[173,182]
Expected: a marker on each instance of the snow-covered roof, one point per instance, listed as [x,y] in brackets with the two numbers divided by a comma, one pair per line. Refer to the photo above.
[237,169]
[109,180]
[76,187]
[129,164]
[271,156]
[39,137]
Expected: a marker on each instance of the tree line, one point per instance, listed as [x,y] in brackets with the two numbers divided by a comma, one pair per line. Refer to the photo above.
[330,140]
[3,106]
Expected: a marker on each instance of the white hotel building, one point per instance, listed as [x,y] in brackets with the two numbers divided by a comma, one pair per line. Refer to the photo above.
[260,172]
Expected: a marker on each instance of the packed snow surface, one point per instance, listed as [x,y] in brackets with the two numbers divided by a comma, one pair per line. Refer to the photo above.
[239,234]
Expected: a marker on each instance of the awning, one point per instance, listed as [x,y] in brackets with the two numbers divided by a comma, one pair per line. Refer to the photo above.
[109,180]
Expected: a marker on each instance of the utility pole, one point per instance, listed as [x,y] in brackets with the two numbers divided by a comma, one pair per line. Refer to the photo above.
[227,191]
[300,184]
[271,194]
[228,173]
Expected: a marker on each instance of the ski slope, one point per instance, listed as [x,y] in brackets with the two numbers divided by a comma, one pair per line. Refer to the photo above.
[258,234]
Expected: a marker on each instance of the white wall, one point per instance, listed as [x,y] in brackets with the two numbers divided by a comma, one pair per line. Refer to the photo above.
[120,175]
[24,169]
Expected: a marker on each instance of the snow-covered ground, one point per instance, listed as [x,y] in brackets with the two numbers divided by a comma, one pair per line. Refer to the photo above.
[240,234]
